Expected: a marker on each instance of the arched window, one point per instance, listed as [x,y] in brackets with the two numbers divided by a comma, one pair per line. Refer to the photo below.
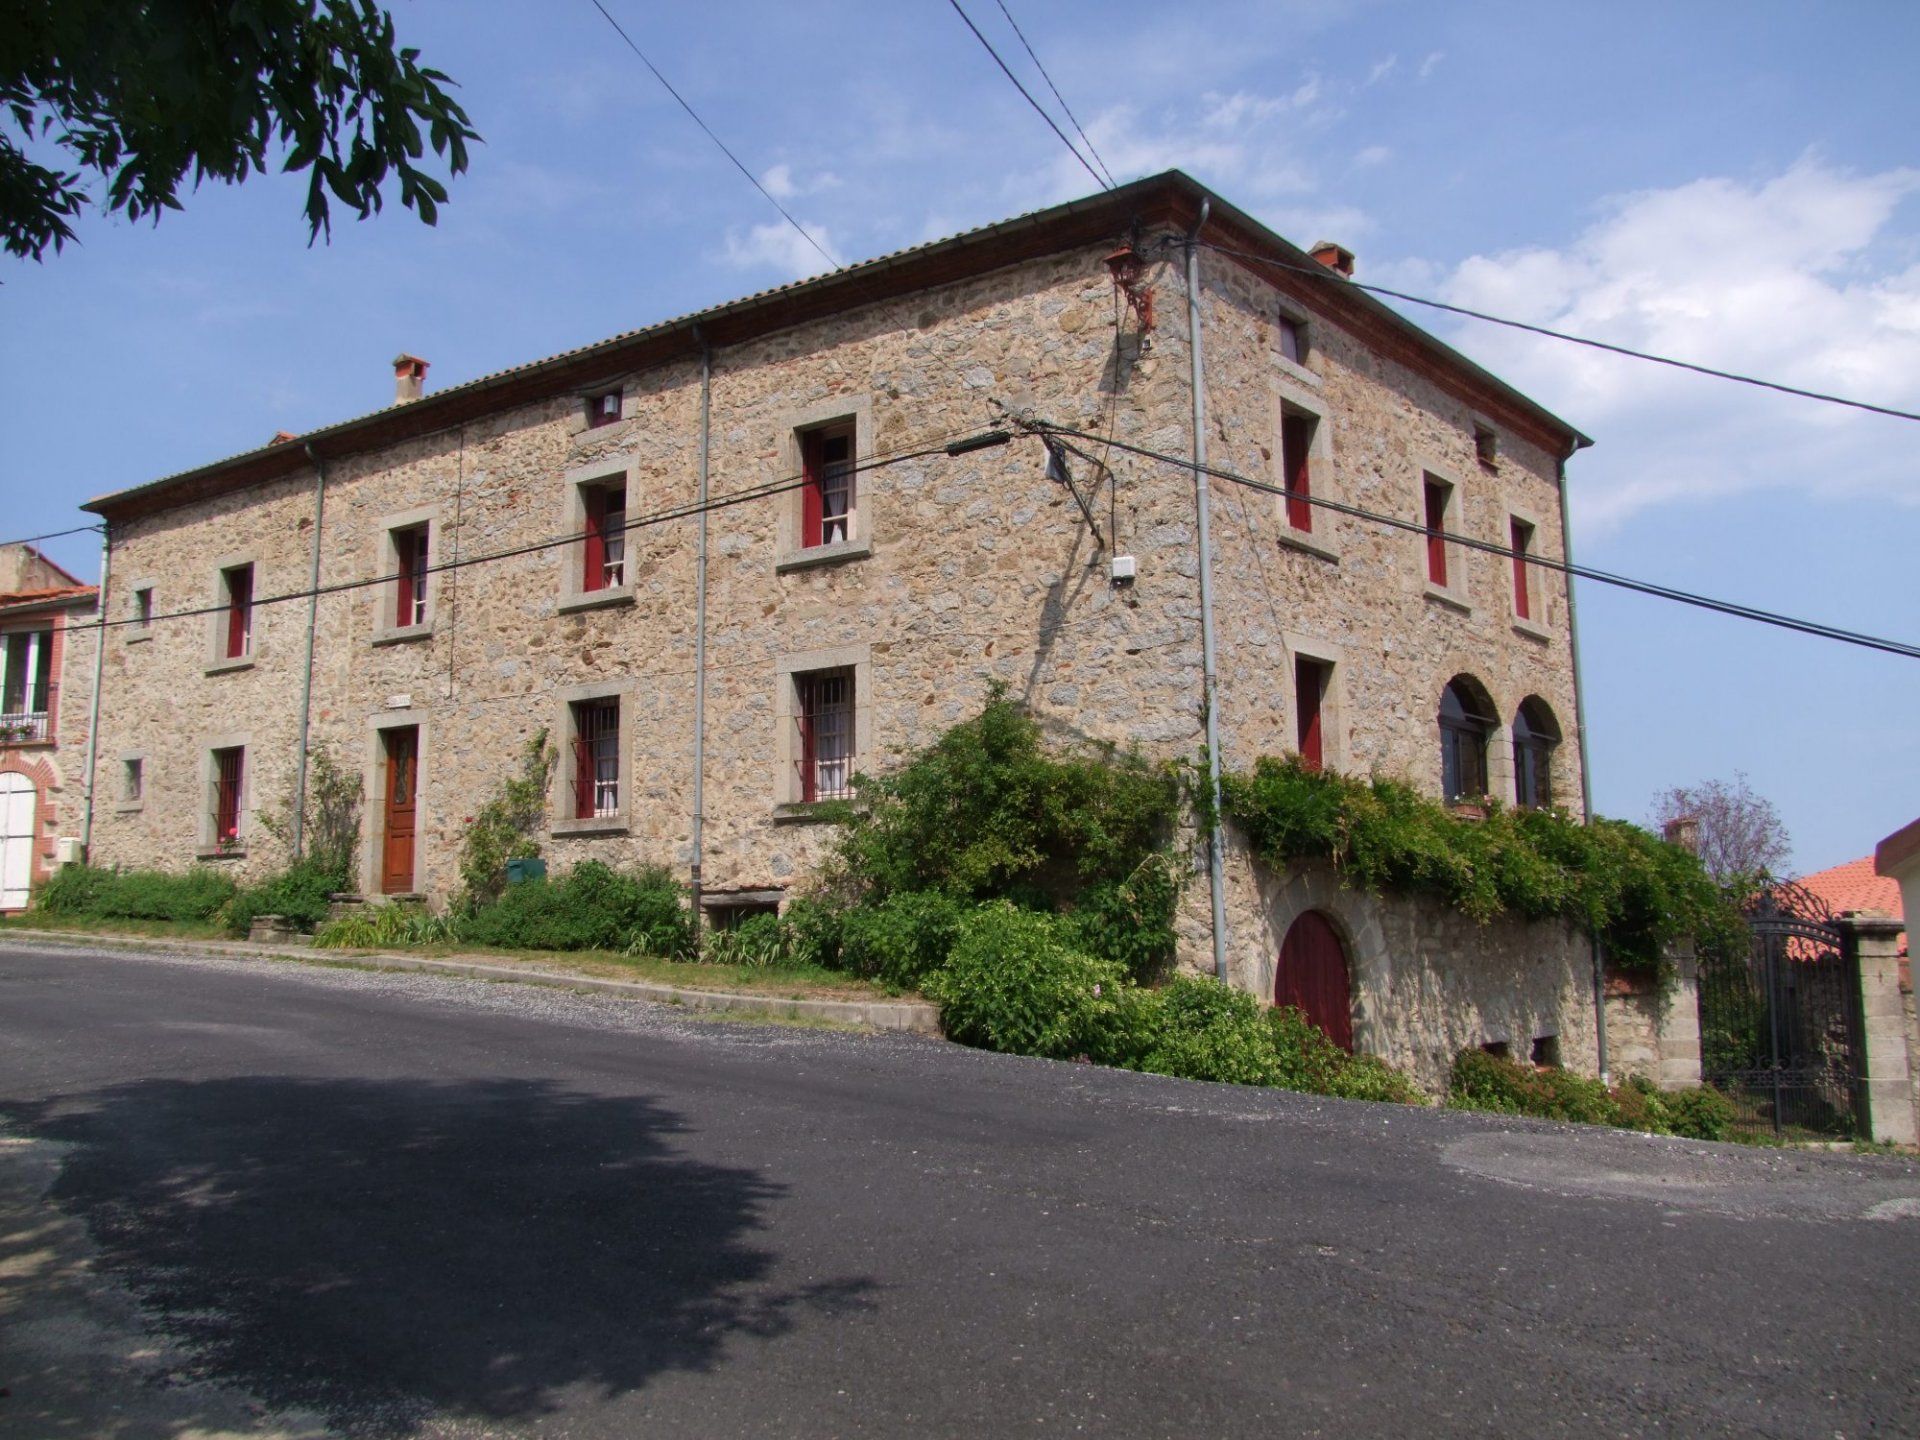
[1535,734]
[1466,719]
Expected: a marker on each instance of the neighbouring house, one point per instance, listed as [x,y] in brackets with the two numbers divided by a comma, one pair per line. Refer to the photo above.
[42,715]
[1859,888]
[862,586]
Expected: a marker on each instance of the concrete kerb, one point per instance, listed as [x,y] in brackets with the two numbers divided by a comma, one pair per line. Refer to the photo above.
[916,1017]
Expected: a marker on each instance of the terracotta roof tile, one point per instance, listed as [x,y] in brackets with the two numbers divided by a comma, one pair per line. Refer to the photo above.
[1854,886]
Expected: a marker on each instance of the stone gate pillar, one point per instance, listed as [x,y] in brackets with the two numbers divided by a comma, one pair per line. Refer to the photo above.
[1873,950]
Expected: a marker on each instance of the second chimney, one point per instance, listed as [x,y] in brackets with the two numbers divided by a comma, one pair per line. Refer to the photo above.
[409,378]
[1336,258]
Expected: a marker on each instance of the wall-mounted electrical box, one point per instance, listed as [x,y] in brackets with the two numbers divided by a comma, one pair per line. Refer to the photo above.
[1123,569]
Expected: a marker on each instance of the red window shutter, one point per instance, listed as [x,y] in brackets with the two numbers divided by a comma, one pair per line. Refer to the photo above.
[1436,528]
[403,548]
[594,573]
[1296,444]
[582,771]
[812,463]
[239,609]
[1309,685]
[803,720]
[1522,539]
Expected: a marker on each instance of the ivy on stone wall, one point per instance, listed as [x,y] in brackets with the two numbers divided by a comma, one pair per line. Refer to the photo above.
[1635,891]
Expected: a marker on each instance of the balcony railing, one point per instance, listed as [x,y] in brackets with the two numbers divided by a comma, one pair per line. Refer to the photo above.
[21,726]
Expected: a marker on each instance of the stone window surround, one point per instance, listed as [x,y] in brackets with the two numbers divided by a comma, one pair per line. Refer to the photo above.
[1500,776]
[563,821]
[1478,425]
[387,562]
[1455,594]
[1309,340]
[134,632]
[789,553]
[123,805]
[218,661]
[573,521]
[1333,728]
[577,426]
[1534,628]
[205,847]
[787,804]
[1321,481]
[373,833]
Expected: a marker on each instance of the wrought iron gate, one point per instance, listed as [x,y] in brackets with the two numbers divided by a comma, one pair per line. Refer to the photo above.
[1779,1026]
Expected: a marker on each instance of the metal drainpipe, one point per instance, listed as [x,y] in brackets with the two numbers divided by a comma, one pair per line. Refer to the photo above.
[93,709]
[1216,845]
[700,639]
[1586,778]
[306,671]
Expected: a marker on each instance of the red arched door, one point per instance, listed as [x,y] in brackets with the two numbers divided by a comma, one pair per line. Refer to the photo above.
[1312,976]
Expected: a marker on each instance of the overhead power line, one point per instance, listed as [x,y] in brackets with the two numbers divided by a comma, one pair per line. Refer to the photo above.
[1039,109]
[1321,272]
[937,445]
[1085,139]
[1584,572]
[752,179]
[54,535]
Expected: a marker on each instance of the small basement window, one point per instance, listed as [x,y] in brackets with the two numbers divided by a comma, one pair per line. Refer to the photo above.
[730,915]
[1499,1049]
[1546,1052]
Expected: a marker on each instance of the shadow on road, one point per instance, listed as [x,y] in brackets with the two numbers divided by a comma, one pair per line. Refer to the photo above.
[382,1251]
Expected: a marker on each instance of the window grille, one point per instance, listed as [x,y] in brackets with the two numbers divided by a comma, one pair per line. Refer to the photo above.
[596,755]
[824,720]
[224,797]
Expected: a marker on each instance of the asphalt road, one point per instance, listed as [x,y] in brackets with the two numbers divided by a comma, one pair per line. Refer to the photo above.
[270,1199]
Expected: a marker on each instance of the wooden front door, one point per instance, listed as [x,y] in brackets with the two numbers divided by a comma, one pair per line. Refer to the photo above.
[1313,977]
[400,804]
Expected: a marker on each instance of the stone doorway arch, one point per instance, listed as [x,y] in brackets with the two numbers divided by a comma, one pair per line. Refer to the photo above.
[1313,976]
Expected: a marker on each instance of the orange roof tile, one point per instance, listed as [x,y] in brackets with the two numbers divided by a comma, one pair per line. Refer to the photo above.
[1854,886]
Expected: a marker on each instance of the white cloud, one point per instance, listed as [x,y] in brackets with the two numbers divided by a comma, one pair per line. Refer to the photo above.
[780,182]
[1431,63]
[1787,279]
[1382,69]
[1371,156]
[778,246]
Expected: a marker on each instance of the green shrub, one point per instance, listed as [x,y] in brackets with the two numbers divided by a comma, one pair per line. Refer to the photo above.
[1011,984]
[987,812]
[901,940]
[300,893]
[1205,1030]
[1130,921]
[384,927]
[1635,891]
[101,893]
[504,827]
[1698,1113]
[1309,1062]
[759,942]
[1489,1082]
[591,907]
[815,930]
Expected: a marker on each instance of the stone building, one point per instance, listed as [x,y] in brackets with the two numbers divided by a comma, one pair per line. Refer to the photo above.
[43,714]
[863,586]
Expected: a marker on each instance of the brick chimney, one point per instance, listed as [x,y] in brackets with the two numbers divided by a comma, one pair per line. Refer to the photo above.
[409,378]
[1336,258]
[1684,831]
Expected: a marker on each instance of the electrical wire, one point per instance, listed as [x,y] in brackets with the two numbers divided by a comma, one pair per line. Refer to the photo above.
[1584,572]
[1038,109]
[752,179]
[1321,272]
[1056,92]
[766,490]
[55,535]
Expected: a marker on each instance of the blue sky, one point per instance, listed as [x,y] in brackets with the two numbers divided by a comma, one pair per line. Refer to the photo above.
[1731,183]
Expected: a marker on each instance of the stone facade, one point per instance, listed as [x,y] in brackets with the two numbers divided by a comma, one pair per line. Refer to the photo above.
[42,735]
[954,572]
